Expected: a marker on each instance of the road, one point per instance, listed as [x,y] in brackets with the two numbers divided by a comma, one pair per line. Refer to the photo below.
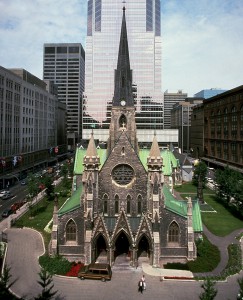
[19,193]
[22,257]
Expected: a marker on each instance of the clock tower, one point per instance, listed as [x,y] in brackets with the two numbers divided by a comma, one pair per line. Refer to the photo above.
[123,110]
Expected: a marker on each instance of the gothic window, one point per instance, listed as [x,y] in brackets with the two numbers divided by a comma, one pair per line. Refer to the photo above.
[128,204]
[122,121]
[122,174]
[173,233]
[139,204]
[116,204]
[105,204]
[71,231]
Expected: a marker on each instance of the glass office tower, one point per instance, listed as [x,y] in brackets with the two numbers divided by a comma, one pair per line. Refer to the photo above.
[144,40]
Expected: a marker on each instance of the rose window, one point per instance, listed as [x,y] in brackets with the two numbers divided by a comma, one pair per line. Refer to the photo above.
[123,174]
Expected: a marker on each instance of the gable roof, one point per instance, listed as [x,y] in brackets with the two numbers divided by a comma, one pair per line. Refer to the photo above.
[71,203]
[179,207]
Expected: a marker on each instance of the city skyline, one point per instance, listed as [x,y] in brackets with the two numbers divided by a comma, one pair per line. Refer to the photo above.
[201,40]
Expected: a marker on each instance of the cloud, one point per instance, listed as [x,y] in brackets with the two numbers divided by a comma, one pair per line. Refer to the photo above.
[26,25]
[202,40]
[202,44]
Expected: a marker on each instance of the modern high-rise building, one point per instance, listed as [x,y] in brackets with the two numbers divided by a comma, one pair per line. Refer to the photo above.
[170,99]
[64,64]
[144,39]
[208,93]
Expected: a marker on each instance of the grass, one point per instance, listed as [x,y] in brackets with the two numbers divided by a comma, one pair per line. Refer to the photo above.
[40,215]
[221,223]
[208,257]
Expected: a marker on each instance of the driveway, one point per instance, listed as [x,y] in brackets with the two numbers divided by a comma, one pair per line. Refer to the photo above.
[25,245]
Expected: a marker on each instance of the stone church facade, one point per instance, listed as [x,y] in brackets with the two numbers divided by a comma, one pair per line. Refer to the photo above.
[122,198]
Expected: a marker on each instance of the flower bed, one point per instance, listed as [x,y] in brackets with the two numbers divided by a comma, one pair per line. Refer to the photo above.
[178,277]
[73,272]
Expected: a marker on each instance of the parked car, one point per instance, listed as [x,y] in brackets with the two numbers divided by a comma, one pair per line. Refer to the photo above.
[6,195]
[96,271]
[17,205]
[2,193]
[7,213]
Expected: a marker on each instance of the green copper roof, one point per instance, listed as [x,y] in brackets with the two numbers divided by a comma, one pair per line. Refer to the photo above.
[180,207]
[71,203]
[79,157]
[169,160]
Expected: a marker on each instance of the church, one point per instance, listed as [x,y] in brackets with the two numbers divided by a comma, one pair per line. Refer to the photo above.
[122,199]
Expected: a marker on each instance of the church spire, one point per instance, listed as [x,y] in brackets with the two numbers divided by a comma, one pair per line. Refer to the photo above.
[123,74]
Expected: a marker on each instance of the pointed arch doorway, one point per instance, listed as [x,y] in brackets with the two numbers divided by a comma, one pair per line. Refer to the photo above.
[101,253]
[122,245]
[143,250]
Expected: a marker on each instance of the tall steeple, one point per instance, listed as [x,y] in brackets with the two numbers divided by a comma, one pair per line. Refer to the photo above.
[123,74]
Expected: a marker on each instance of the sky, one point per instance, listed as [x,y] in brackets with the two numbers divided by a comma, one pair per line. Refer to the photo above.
[202,40]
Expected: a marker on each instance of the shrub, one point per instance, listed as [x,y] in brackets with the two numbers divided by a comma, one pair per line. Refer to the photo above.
[55,265]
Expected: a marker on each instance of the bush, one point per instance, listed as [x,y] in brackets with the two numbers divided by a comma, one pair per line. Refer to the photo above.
[55,265]
[208,257]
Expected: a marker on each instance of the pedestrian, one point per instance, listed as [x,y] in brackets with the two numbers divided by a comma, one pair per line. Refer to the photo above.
[140,286]
[144,282]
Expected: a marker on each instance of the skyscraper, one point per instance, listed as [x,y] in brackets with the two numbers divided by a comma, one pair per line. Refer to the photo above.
[144,39]
[171,98]
[64,64]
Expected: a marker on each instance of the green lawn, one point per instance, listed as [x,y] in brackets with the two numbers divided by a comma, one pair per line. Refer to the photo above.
[39,216]
[220,223]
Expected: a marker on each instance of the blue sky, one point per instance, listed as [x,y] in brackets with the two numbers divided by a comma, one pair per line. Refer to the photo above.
[202,39]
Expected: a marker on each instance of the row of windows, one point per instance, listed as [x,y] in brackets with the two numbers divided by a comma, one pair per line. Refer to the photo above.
[71,232]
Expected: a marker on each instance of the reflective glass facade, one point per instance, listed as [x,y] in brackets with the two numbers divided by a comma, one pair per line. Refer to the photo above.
[103,34]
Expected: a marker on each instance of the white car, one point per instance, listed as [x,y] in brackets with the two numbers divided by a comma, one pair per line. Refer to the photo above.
[3,194]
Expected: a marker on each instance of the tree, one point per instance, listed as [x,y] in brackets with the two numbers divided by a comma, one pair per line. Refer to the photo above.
[240,293]
[32,190]
[199,178]
[47,285]
[5,285]
[48,182]
[209,292]
[229,187]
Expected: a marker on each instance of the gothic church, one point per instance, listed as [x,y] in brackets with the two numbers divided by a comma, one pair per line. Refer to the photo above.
[122,201]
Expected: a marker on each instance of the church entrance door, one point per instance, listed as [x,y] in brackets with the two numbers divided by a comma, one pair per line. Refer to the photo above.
[101,249]
[143,248]
[121,245]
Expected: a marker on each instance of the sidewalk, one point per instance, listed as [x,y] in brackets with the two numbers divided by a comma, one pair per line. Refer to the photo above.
[166,273]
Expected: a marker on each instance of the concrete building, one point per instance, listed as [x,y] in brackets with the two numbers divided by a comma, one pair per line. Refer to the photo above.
[171,98]
[103,30]
[28,118]
[208,93]
[64,64]
[220,141]
[121,207]
[181,120]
